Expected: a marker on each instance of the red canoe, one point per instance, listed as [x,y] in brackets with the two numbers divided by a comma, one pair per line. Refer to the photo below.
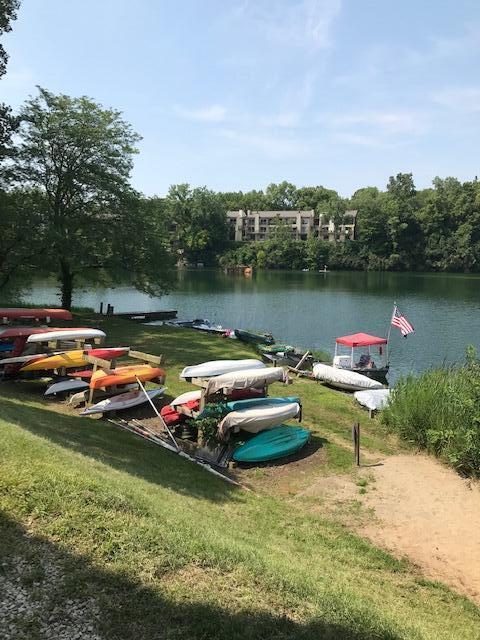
[17,313]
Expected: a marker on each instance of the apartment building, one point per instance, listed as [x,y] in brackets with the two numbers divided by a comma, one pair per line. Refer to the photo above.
[258,225]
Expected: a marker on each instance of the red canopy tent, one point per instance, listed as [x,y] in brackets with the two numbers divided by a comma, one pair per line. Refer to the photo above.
[360,340]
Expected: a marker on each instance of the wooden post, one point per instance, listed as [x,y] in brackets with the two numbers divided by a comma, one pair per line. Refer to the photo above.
[101,308]
[356,442]
[304,357]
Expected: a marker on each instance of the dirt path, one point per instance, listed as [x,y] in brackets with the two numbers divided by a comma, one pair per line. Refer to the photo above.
[423,511]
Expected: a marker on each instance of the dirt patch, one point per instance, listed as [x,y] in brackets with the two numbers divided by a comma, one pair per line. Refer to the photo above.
[430,514]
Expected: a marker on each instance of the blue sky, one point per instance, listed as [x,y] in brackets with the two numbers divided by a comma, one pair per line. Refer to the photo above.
[237,94]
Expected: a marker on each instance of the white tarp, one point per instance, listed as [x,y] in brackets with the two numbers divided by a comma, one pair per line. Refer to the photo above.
[255,420]
[344,379]
[247,379]
[373,399]
[219,367]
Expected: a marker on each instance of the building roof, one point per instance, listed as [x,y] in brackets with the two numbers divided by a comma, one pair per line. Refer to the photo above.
[360,340]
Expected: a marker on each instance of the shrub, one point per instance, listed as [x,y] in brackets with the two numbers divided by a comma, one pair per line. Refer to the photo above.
[440,411]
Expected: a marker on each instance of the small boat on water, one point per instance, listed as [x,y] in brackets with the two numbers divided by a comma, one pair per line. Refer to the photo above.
[275,443]
[254,338]
[365,363]
[257,419]
[199,324]
[219,367]
[123,401]
[343,378]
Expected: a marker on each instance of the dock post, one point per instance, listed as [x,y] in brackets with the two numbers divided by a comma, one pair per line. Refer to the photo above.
[101,308]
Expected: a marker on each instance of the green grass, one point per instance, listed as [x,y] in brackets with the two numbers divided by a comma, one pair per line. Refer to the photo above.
[151,546]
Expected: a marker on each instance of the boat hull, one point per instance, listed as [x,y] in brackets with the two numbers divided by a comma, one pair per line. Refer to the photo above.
[343,378]
[71,359]
[123,401]
[219,367]
[253,338]
[279,442]
[126,375]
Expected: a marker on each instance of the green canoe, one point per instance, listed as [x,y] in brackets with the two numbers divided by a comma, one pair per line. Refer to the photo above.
[275,348]
[254,338]
[272,444]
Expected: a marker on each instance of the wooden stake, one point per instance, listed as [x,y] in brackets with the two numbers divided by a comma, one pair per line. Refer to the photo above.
[356,442]
[304,357]
[146,357]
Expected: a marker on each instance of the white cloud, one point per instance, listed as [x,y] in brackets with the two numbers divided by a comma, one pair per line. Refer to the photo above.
[213,113]
[388,122]
[302,23]
[464,100]
[272,146]
[358,139]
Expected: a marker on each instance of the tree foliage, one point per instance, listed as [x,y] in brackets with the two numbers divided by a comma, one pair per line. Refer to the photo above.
[8,122]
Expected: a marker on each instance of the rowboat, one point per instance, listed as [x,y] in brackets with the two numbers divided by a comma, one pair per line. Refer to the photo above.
[72,359]
[373,399]
[257,419]
[247,379]
[125,375]
[17,313]
[68,334]
[364,363]
[219,367]
[278,442]
[343,378]
[123,401]
[66,386]
[254,338]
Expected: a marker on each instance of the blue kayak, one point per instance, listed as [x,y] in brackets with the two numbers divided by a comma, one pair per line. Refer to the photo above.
[255,403]
[272,444]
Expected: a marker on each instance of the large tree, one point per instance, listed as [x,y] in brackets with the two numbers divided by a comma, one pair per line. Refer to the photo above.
[78,156]
[8,123]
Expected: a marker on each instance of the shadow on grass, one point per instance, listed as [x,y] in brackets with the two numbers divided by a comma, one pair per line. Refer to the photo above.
[59,587]
[121,450]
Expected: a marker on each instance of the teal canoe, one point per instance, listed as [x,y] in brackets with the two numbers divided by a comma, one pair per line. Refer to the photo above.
[254,403]
[272,444]
[254,338]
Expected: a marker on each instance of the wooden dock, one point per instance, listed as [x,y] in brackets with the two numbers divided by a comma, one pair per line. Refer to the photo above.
[142,316]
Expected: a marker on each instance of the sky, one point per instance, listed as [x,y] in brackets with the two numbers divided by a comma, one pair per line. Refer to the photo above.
[235,94]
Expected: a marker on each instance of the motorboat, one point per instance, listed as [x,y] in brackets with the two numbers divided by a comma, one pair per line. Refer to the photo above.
[366,363]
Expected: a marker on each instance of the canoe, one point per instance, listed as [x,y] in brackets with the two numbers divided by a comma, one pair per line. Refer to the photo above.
[254,338]
[373,399]
[72,359]
[219,367]
[21,332]
[73,334]
[126,375]
[66,386]
[258,419]
[189,396]
[252,403]
[281,441]
[17,313]
[246,379]
[276,348]
[123,401]
[344,379]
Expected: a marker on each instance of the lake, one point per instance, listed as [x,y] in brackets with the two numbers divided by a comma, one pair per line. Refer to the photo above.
[311,309]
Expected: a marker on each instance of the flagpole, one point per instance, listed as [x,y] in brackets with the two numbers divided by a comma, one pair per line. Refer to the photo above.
[390,329]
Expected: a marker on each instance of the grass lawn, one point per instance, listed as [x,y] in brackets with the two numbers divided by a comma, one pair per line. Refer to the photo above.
[107,536]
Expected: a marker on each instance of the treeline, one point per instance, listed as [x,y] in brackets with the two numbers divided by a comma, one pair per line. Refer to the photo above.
[401,228]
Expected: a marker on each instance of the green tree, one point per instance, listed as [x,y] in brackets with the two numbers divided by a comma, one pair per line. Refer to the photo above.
[78,157]
[281,197]
[8,122]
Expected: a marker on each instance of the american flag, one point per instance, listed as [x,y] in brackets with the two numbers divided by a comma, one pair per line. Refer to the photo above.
[400,321]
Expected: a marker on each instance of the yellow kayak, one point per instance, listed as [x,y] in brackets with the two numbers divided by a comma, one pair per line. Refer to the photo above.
[73,359]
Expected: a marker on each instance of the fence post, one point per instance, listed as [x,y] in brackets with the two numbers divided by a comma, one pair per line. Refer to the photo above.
[356,442]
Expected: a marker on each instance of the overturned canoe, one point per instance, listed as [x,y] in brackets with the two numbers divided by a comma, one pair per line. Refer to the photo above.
[278,442]
[373,399]
[247,379]
[344,379]
[71,334]
[72,359]
[126,375]
[16,313]
[258,419]
[219,367]
[123,401]
[189,396]
[254,338]
[66,386]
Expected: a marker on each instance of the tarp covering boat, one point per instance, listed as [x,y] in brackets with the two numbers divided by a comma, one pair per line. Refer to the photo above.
[373,399]
[123,401]
[72,334]
[258,419]
[343,378]
[360,340]
[246,379]
[219,367]
[18,313]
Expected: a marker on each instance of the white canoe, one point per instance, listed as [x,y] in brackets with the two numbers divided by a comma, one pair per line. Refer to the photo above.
[123,401]
[66,386]
[74,334]
[344,379]
[259,418]
[246,379]
[373,399]
[186,397]
[219,367]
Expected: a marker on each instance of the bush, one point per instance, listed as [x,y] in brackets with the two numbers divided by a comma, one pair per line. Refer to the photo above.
[440,411]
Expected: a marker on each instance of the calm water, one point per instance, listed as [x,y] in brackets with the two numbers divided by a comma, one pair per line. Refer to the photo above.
[311,309]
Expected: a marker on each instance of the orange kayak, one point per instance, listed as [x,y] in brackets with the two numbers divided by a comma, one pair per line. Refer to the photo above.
[126,375]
